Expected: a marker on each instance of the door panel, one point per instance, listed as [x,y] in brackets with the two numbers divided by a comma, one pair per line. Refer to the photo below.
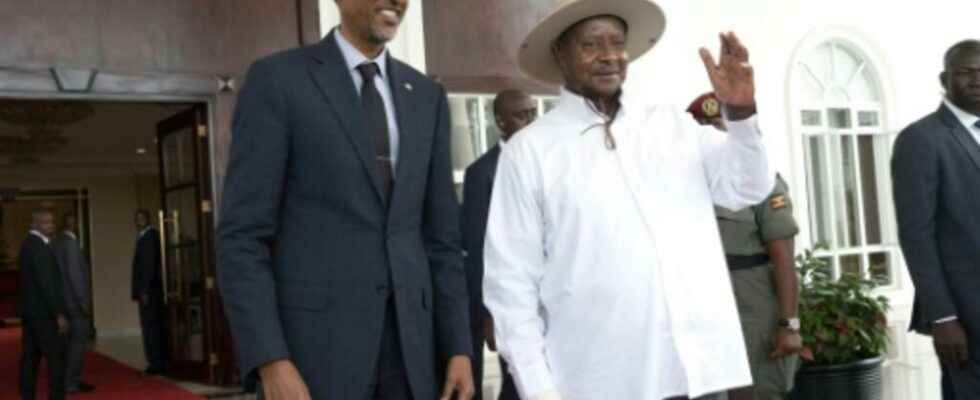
[186,226]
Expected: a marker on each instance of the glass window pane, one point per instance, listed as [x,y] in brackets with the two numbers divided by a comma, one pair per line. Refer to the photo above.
[465,129]
[836,193]
[178,157]
[867,118]
[182,208]
[839,117]
[819,191]
[811,117]
[850,265]
[850,210]
[869,187]
[880,268]
[550,103]
[490,121]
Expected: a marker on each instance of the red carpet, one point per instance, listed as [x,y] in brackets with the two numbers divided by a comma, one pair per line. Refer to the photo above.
[113,380]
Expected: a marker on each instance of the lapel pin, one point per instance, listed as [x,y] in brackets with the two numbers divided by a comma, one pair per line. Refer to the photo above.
[409,87]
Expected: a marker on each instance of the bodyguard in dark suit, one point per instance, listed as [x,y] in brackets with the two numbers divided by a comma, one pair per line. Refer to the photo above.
[78,298]
[148,292]
[338,239]
[42,309]
[513,110]
[936,174]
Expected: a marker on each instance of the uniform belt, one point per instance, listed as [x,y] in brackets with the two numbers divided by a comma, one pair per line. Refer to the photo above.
[743,262]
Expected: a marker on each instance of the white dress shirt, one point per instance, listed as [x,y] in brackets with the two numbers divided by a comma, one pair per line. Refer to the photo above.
[353,57]
[968,120]
[41,235]
[605,273]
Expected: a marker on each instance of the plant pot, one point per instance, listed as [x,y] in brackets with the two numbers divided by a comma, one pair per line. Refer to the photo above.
[860,380]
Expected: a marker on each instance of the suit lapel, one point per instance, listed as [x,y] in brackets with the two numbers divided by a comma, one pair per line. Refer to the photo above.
[962,135]
[329,72]
[402,91]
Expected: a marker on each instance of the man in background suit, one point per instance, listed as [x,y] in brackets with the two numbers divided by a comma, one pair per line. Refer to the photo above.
[42,308]
[512,110]
[148,292]
[338,240]
[75,275]
[936,174]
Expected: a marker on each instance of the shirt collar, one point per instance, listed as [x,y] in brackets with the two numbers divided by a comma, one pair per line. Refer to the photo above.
[353,57]
[72,234]
[40,235]
[968,120]
[577,108]
[145,230]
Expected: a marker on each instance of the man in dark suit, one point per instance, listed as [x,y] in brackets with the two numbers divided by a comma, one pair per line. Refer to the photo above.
[75,275]
[338,239]
[512,110]
[42,308]
[936,174]
[148,292]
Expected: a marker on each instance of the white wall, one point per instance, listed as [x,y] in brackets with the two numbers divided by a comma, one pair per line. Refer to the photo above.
[408,46]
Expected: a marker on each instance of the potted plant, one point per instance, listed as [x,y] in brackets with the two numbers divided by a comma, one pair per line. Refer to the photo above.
[845,334]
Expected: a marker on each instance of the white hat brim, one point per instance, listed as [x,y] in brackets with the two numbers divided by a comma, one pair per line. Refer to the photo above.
[644,19]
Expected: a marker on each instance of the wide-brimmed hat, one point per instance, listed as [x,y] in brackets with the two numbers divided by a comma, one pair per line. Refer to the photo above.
[644,19]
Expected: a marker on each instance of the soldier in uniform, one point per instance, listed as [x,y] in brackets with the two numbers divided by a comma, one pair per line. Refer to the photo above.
[758,243]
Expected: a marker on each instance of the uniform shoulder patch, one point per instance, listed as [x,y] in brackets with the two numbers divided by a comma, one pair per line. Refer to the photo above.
[778,202]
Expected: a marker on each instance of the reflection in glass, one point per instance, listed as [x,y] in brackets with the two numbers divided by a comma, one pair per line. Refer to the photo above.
[851,265]
[182,206]
[880,268]
[816,174]
[178,158]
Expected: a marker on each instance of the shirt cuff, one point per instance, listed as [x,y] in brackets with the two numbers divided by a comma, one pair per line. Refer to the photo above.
[946,319]
[749,124]
[549,395]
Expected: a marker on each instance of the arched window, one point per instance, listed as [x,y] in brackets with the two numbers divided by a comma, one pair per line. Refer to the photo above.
[838,112]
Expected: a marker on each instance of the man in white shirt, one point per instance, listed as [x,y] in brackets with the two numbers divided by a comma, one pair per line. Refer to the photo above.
[589,266]
[936,175]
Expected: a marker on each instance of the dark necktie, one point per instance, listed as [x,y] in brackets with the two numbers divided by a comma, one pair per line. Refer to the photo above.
[376,121]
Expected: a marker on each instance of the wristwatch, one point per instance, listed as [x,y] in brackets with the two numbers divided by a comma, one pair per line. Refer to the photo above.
[792,324]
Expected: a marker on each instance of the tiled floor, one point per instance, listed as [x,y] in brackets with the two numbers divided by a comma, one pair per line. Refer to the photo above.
[129,351]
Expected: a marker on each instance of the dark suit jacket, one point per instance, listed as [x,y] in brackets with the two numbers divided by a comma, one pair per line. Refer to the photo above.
[936,174]
[75,272]
[41,293]
[147,276]
[306,244]
[477,188]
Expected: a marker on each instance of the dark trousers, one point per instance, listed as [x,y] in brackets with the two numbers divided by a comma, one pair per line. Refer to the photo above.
[79,330]
[41,339]
[508,391]
[153,324]
[392,379]
[962,383]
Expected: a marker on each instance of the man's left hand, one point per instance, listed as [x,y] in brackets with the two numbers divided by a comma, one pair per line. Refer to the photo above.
[785,343]
[732,78]
[459,379]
